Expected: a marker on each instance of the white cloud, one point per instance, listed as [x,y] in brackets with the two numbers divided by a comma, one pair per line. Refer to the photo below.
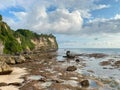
[78,41]
[58,21]
[117,16]
[85,13]
[67,18]
[102,6]
[65,22]
[7,3]
[102,26]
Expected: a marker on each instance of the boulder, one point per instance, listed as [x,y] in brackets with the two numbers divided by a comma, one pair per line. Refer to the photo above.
[71,68]
[20,59]
[10,60]
[105,63]
[77,60]
[84,83]
[69,55]
[117,63]
[4,68]
[42,79]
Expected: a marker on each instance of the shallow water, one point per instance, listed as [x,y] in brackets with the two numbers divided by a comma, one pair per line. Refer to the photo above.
[107,72]
[35,77]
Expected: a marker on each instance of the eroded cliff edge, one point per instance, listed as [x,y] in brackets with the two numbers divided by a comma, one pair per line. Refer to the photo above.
[23,40]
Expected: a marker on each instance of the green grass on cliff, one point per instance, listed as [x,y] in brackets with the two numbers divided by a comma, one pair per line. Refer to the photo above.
[12,45]
[10,42]
[25,37]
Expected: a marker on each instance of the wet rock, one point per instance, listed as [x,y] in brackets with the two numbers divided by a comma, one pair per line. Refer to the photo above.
[90,71]
[58,86]
[4,68]
[104,63]
[77,60]
[71,68]
[57,80]
[111,60]
[114,84]
[15,84]
[117,63]
[69,55]
[84,83]
[42,80]
[97,55]
[3,84]
[105,68]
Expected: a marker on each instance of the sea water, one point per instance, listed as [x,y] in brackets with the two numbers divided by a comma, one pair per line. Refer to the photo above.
[101,72]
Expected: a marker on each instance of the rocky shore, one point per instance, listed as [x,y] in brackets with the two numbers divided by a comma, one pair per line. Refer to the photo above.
[43,71]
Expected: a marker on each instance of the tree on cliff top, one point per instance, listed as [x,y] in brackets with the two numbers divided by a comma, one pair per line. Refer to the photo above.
[0,17]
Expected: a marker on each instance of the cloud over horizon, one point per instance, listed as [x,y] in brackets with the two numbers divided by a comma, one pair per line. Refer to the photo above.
[76,23]
[64,17]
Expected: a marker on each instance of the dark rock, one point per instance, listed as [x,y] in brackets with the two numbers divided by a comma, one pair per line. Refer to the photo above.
[15,84]
[42,80]
[68,53]
[59,86]
[104,63]
[97,55]
[84,83]
[50,57]
[71,68]
[65,56]
[117,63]
[90,71]
[3,84]
[77,60]
[105,68]
[25,52]
[57,80]
[17,53]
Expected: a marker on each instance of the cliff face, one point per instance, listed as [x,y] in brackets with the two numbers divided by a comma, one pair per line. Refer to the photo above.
[24,40]
[32,41]
[1,47]
[45,43]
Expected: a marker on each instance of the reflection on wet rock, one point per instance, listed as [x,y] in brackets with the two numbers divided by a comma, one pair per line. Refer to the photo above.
[84,83]
[71,68]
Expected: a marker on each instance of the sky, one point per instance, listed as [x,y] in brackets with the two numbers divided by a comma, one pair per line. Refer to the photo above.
[75,23]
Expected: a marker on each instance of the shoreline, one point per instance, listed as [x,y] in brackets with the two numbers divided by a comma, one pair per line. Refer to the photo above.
[45,71]
[12,80]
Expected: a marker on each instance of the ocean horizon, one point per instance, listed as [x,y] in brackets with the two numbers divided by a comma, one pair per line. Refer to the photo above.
[91,50]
